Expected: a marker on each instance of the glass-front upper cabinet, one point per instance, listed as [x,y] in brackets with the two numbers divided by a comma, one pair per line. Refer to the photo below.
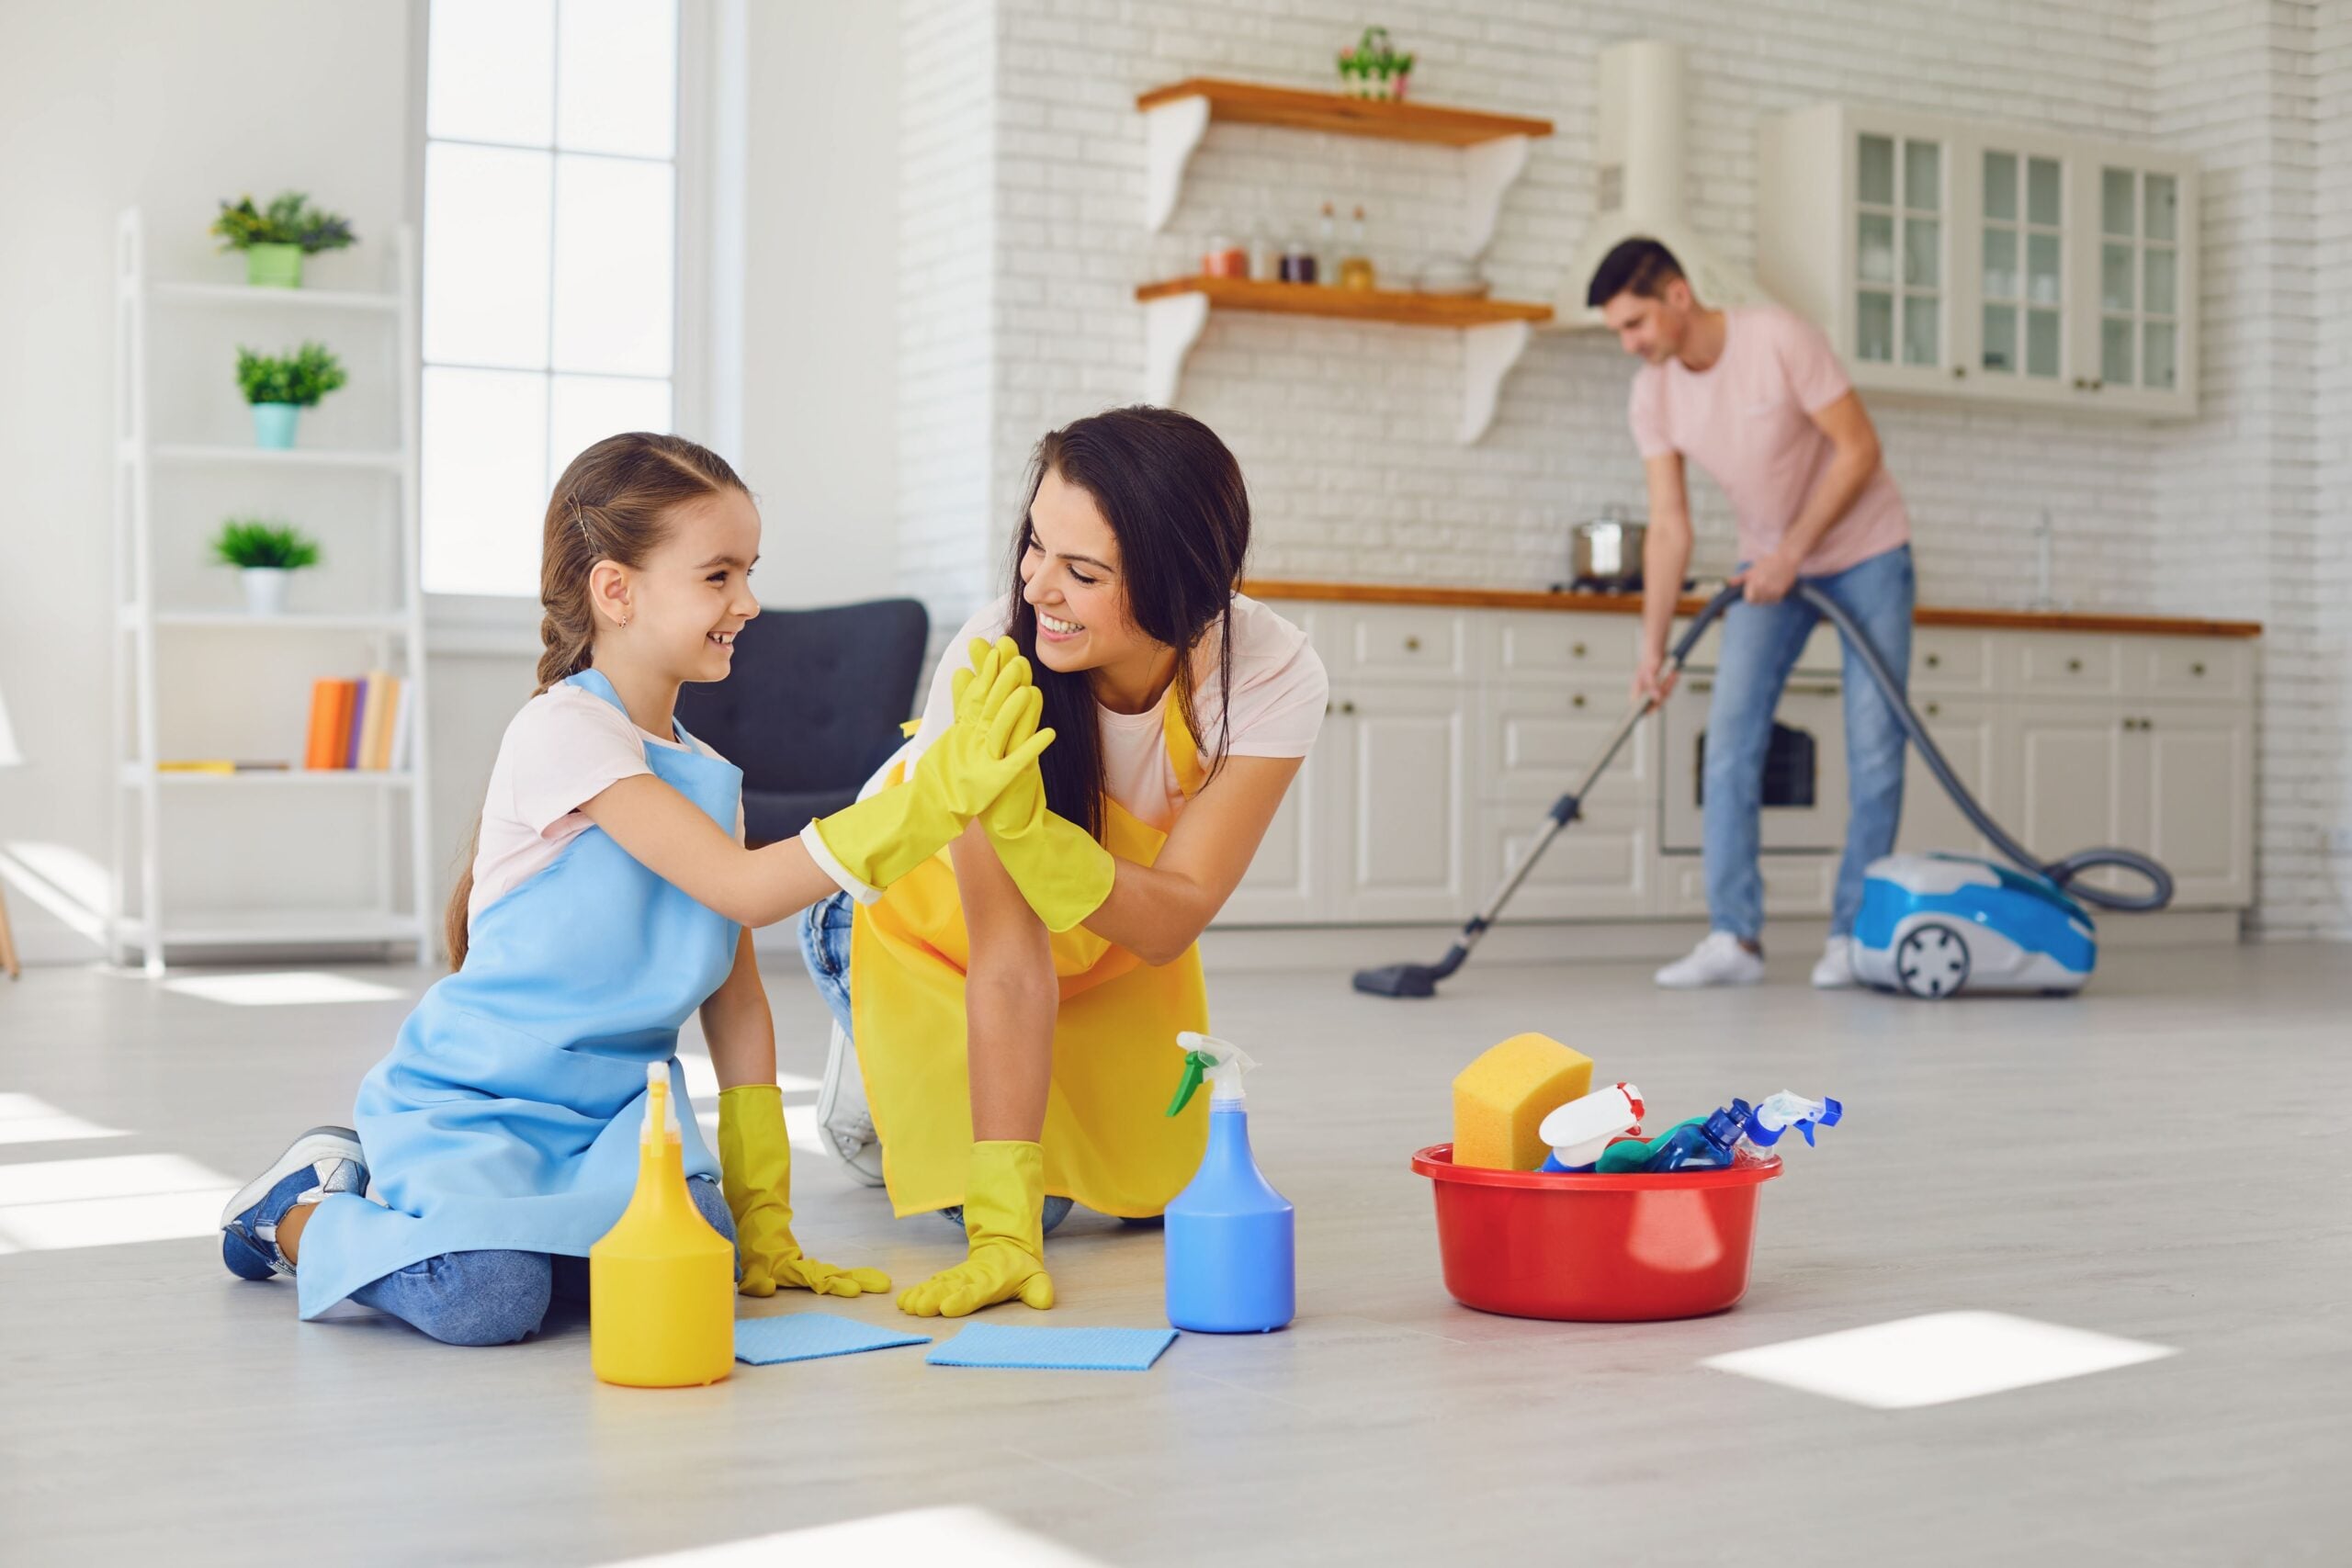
[1898,250]
[1987,264]
[1855,231]
[2144,306]
[2021,277]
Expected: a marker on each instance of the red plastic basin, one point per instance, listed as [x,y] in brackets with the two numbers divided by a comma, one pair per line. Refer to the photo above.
[1592,1248]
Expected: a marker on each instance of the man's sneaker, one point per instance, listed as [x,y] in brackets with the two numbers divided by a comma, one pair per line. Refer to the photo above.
[1835,970]
[845,1124]
[1719,960]
[321,1161]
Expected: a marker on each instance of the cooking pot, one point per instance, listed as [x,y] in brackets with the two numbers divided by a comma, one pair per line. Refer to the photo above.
[1607,553]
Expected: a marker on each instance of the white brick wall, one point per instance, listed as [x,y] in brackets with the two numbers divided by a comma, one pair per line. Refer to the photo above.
[1345,432]
[947,289]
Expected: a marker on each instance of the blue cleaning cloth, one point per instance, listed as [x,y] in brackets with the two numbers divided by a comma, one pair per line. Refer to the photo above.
[1054,1349]
[807,1335]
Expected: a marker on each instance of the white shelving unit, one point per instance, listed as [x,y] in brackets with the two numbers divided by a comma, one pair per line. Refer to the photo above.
[166,917]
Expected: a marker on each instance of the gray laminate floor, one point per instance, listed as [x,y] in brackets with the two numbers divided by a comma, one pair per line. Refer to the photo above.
[2162,1159]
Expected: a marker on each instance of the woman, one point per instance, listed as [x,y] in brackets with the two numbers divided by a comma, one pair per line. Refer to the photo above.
[1014,1004]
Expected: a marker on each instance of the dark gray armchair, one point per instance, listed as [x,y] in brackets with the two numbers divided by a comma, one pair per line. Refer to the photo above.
[812,708]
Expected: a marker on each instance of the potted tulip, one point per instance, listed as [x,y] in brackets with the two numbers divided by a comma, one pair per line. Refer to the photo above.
[276,239]
[265,554]
[280,387]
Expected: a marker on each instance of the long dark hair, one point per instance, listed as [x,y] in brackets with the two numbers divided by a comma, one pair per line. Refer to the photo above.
[612,504]
[1174,499]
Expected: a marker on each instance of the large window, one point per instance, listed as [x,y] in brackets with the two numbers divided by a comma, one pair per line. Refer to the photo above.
[550,262]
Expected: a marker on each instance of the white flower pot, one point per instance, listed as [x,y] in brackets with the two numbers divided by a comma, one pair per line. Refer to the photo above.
[265,589]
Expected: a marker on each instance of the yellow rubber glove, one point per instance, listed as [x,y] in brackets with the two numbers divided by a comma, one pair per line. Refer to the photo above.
[993,741]
[1004,1201]
[1057,865]
[755,1172]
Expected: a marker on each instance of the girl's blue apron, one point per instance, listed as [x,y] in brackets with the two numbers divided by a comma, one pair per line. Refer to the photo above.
[507,1114]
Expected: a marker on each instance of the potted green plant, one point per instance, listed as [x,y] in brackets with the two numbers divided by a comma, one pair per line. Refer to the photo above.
[276,239]
[1374,69]
[265,554]
[280,387]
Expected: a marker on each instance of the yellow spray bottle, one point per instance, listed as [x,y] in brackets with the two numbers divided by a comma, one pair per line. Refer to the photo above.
[662,1283]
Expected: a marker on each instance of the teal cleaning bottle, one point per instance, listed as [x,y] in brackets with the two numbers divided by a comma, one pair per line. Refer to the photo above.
[1232,1241]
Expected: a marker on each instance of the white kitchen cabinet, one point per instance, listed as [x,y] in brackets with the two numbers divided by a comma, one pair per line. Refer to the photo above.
[1598,866]
[1969,732]
[2173,779]
[1288,883]
[1394,791]
[2189,799]
[1977,263]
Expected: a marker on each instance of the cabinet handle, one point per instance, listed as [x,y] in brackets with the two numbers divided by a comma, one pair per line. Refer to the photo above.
[2074,667]
[1576,701]
[1347,708]
[1575,651]
[2096,383]
[2196,668]
[1957,371]
[1412,645]
[2082,383]
[1935,662]
[1934,708]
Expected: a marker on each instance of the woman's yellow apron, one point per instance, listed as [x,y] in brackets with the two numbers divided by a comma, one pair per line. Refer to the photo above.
[1109,1142]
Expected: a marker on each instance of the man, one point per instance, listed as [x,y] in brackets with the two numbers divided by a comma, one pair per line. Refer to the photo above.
[1757,398]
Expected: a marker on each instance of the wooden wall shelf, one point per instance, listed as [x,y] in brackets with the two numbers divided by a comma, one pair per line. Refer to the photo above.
[1495,332]
[1494,146]
[1347,304]
[1253,103]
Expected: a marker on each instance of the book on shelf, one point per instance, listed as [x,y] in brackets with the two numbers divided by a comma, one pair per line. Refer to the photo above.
[357,723]
[222,765]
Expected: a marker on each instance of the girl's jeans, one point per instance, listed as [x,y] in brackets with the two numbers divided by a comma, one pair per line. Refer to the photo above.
[496,1297]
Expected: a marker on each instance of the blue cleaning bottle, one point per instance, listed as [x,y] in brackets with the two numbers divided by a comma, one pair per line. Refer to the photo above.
[1702,1145]
[1232,1242]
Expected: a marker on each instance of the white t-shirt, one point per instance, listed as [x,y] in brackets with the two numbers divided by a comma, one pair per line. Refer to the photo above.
[1279,692]
[565,748]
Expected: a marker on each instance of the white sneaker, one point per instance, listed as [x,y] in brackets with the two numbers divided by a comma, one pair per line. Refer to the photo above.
[843,1116]
[1719,960]
[1835,970]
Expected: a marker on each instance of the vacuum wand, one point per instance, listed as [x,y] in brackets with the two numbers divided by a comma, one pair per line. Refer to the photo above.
[1421,979]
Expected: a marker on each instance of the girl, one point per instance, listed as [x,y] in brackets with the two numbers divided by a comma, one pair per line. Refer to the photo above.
[607,900]
[1014,1005]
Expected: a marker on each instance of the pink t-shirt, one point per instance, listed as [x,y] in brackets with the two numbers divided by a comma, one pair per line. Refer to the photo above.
[565,748]
[1746,420]
[1279,692]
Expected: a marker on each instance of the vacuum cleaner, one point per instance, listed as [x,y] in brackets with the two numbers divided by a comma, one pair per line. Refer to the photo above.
[1929,925]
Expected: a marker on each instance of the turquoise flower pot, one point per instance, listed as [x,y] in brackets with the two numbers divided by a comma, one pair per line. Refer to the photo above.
[274,425]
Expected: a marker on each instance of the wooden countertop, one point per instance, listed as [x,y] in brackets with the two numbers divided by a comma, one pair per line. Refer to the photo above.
[1630,604]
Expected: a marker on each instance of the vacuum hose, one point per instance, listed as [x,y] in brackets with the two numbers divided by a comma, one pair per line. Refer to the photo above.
[2061,871]
[1421,979]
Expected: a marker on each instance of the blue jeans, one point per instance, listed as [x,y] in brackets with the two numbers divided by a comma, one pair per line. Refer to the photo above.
[495,1297]
[1760,644]
[824,947]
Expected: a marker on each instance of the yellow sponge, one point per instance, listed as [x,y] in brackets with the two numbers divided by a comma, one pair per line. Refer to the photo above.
[1501,1100]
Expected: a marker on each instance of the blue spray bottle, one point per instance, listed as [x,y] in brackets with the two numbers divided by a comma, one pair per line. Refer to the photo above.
[1232,1245]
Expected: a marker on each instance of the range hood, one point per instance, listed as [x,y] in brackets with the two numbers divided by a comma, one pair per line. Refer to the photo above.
[1638,147]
